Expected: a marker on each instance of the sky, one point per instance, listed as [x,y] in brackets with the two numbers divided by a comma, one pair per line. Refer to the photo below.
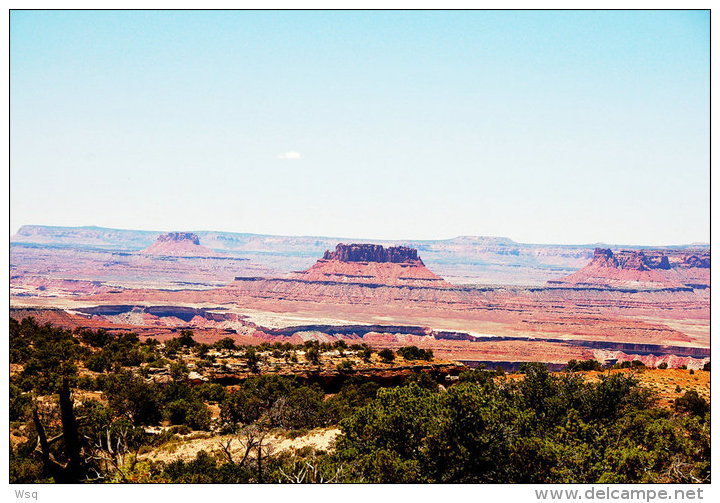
[545,127]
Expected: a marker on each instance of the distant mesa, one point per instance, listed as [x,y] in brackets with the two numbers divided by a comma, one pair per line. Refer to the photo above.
[372,264]
[179,244]
[636,260]
[177,237]
[654,268]
[646,260]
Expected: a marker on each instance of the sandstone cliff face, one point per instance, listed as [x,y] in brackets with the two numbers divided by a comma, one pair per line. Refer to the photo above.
[373,253]
[641,261]
[645,260]
[604,257]
[646,268]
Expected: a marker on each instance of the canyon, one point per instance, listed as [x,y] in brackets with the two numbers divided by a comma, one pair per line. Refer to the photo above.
[612,304]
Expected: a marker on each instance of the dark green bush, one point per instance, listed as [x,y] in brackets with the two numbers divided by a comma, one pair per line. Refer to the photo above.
[415,353]
[387,355]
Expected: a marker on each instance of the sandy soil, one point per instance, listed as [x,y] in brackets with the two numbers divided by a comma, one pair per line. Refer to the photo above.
[319,439]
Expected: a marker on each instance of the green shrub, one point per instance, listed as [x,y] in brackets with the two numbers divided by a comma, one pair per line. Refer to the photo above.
[227,343]
[415,353]
[345,365]
[387,355]
[692,403]
[583,365]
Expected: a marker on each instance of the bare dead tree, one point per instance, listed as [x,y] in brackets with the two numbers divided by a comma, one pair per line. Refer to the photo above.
[309,472]
[261,448]
[51,466]
[249,438]
[115,452]
[70,433]
[71,469]
[259,460]
[226,449]
[683,472]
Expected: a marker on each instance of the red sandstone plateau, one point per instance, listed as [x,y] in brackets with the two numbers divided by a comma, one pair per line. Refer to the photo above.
[646,304]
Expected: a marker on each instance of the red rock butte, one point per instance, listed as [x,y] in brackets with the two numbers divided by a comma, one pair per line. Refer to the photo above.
[650,269]
[179,244]
[373,253]
[372,264]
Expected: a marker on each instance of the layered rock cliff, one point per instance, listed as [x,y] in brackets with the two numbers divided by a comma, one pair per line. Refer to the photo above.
[637,260]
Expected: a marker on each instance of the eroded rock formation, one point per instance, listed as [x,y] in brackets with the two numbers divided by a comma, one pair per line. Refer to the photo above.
[371,264]
[179,244]
[647,268]
[373,253]
[699,261]
[179,237]
[604,257]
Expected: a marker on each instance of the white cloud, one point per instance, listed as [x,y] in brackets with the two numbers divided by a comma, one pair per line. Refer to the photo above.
[289,155]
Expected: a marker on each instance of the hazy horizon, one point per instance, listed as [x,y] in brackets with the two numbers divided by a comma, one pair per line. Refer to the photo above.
[360,238]
[557,127]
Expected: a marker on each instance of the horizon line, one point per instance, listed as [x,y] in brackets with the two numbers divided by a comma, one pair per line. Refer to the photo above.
[583,245]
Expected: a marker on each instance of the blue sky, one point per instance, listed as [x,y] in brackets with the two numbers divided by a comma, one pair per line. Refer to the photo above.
[545,127]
